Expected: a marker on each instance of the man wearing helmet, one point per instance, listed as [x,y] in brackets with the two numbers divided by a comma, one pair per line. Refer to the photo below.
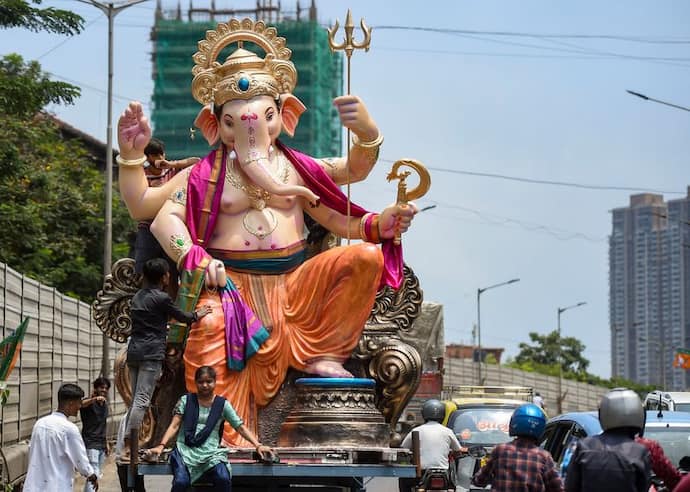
[612,461]
[521,464]
[436,441]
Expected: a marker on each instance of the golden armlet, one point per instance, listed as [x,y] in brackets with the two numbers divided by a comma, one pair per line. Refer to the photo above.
[373,144]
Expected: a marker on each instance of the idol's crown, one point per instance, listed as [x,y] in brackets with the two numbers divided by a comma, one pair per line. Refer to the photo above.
[243,75]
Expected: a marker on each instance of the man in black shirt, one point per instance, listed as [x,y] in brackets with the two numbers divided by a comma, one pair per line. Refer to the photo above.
[151,309]
[94,418]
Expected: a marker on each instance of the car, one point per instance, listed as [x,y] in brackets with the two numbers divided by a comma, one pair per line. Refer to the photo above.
[479,416]
[669,429]
[678,401]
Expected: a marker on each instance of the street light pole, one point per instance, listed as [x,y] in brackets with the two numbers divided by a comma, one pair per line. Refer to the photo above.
[479,324]
[559,398]
[110,10]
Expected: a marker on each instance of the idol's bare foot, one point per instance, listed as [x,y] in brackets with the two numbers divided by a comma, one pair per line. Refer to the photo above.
[328,369]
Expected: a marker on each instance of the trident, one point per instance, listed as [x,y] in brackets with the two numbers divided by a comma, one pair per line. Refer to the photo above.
[348,46]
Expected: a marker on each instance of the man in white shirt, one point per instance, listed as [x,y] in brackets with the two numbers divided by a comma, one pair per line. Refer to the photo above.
[539,400]
[436,441]
[57,448]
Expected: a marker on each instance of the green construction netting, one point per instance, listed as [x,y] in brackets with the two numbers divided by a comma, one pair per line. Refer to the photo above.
[320,79]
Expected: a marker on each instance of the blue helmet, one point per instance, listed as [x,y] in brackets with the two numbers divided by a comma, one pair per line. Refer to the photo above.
[528,420]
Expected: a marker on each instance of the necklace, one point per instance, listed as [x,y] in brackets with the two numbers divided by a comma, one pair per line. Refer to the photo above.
[258,197]
[259,231]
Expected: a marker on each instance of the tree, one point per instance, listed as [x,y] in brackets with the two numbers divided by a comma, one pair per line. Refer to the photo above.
[25,90]
[52,210]
[543,355]
[20,13]
[549,349]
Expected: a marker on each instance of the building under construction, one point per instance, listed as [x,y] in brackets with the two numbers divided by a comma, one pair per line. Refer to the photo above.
[175,35]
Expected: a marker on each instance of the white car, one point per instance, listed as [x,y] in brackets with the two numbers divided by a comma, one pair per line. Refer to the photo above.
[677,401]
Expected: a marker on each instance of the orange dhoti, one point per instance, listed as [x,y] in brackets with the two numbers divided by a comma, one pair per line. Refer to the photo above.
[314,312]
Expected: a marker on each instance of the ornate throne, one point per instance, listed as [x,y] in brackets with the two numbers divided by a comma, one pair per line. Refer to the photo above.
[381,355]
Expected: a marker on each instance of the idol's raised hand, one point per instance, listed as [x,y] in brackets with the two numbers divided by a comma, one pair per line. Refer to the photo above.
[133,131]
[354,115]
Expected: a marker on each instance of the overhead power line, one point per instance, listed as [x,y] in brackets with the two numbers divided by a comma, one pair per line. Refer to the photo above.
[503,221]
[557,183]
[95,89]
[570,184]
[613,37]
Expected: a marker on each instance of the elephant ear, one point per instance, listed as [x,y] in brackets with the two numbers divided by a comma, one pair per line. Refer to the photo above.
[207,122]
[291,109]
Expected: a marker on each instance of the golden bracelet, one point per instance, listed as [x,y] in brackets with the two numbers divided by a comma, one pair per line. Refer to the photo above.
[139,161]
[362,224]
[375,230]
[372,144]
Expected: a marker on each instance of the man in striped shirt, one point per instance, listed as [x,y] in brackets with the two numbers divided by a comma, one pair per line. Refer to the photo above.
[158,171]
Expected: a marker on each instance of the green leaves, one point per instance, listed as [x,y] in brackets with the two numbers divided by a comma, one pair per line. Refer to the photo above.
[52,207]
[550,350]
[543,357]
[25,90]
[20,13]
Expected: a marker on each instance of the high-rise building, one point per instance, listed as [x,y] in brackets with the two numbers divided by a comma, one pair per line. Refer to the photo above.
[320,75]
[649,285]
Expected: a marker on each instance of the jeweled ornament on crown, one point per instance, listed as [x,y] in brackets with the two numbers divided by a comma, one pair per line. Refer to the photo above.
[243,84]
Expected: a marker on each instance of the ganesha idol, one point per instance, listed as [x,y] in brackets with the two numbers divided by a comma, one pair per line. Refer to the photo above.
[234,223]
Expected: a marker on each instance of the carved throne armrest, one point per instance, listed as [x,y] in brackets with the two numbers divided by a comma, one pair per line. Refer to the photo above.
[395,365]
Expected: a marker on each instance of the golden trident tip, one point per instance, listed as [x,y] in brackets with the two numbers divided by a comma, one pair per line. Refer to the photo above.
[349,44]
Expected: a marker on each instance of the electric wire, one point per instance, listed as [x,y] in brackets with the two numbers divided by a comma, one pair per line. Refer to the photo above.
[635,39]
[90,23]
[503,221]
[95,89]
[569,184]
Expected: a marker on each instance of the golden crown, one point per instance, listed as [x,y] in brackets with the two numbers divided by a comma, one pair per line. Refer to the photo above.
[243,75]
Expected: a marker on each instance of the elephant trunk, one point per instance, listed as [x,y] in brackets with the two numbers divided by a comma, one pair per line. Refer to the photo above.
[252,147]
[261,176]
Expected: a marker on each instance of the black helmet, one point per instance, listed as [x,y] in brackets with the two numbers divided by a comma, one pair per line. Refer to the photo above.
[433,410]
[621,408]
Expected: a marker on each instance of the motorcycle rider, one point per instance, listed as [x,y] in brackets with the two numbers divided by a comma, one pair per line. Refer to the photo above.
[521,464]
[436,442]
[612,461]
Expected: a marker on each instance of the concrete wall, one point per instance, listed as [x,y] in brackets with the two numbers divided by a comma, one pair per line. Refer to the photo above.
[579,397]
[62,345]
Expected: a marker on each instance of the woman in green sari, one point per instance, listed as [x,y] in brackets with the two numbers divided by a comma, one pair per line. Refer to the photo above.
[199,455]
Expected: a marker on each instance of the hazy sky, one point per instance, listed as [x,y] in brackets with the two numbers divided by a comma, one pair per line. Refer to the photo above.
[528,89]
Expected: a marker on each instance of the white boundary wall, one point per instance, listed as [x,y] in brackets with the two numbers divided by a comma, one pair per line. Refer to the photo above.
[62,345]
[579,397]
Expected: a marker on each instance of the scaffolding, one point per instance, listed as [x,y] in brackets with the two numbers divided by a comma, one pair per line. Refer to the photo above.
[320,79]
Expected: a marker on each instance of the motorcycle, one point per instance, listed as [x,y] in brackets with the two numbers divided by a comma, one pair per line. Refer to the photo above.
[468,465]
[435,479]
[442,479]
